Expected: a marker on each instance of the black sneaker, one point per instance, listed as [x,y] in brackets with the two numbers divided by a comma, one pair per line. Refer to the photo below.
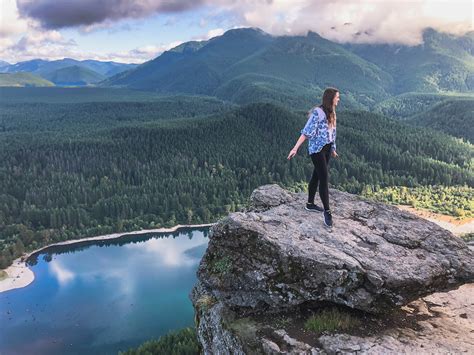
[327,218]
[313,207]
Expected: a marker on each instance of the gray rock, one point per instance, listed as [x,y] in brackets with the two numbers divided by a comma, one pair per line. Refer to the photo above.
[446,327]
[211,318]
[277,255]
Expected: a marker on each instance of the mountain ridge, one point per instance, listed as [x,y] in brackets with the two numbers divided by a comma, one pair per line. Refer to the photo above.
[304,65]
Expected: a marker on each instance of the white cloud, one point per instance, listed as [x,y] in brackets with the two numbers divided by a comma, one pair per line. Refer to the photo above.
[62,274]
[215,32]
[10,22]
[170,251]
[51,45]
[371,21]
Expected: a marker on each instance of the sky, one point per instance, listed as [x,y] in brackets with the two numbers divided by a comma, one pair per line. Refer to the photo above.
[134,31]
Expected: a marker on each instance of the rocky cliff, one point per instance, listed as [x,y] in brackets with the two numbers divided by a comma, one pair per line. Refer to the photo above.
[272,270]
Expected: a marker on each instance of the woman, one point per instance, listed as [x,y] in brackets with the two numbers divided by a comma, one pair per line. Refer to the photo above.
[320,130]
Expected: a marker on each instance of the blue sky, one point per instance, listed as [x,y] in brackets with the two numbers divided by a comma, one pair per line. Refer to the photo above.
[138,30]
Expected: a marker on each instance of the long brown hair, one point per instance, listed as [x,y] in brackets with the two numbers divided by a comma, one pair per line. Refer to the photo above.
[327,107]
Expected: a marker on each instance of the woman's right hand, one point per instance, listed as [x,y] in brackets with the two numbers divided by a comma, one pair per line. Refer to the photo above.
[292,153]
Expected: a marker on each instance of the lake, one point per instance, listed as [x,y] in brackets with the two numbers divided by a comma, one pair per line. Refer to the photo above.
[99,297]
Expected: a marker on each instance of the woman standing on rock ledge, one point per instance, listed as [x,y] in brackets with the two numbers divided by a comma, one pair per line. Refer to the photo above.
[320,130]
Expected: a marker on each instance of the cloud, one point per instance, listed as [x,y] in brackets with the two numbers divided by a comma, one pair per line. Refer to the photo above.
[170,252]
[10,23]
[54,14]
[210,34]
[369,21]
[62,274]
[36,33]
[360,21]
[42,45]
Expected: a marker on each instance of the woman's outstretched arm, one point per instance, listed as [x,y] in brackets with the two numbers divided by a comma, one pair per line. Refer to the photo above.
[297,146]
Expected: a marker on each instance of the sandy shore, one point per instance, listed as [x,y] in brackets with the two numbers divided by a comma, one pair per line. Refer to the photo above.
[20,275]
[452,224]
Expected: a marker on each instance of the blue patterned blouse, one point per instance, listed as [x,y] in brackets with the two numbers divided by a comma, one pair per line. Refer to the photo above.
[318,133]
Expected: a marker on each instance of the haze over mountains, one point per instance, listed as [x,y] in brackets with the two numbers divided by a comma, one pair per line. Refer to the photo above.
[64,72]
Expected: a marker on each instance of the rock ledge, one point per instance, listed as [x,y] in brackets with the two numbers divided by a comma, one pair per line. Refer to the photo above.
[277,257]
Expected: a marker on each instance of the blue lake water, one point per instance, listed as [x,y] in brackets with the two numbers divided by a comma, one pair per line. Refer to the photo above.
[102,297]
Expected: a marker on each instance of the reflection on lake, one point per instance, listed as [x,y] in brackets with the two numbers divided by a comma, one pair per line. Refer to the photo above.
[101,297]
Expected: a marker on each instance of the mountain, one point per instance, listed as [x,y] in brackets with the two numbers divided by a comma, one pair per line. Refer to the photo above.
[248,65]
[193,68]
[22,79]
[443,62]
[3,64]
[107,68]
[93,70]
[73,76]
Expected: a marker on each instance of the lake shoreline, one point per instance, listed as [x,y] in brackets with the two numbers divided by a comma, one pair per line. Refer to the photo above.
[20,275]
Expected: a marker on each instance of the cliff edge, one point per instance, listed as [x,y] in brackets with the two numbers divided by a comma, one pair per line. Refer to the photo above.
[278,261]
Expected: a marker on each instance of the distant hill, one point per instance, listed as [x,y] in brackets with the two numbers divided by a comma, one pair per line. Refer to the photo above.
[453,116]
[107,69]
[409,104]
[443,62]
[73,76]
[22,79]
[46,69]
[3,64]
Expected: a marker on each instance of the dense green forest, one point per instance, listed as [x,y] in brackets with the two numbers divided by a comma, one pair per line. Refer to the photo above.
[181,342]
[455,117]
[66,184]
[12,95]
[449,200]
[84,118]
[409,104]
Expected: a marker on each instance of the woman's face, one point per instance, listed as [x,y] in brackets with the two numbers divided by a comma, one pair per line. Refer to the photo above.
[336,99]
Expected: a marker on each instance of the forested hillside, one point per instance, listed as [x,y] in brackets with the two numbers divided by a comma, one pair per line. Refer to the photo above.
[412,103]
[455,117]
[84,118]
[193,170]
[22,80]
[12,95]
[73,76]
[443,62]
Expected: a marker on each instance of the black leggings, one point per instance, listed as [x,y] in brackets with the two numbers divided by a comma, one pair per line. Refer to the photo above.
[320,174]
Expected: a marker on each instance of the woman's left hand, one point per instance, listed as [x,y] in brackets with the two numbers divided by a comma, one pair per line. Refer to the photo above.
[334,154]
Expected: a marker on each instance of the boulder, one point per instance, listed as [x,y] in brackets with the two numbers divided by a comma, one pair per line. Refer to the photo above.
[277,256]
